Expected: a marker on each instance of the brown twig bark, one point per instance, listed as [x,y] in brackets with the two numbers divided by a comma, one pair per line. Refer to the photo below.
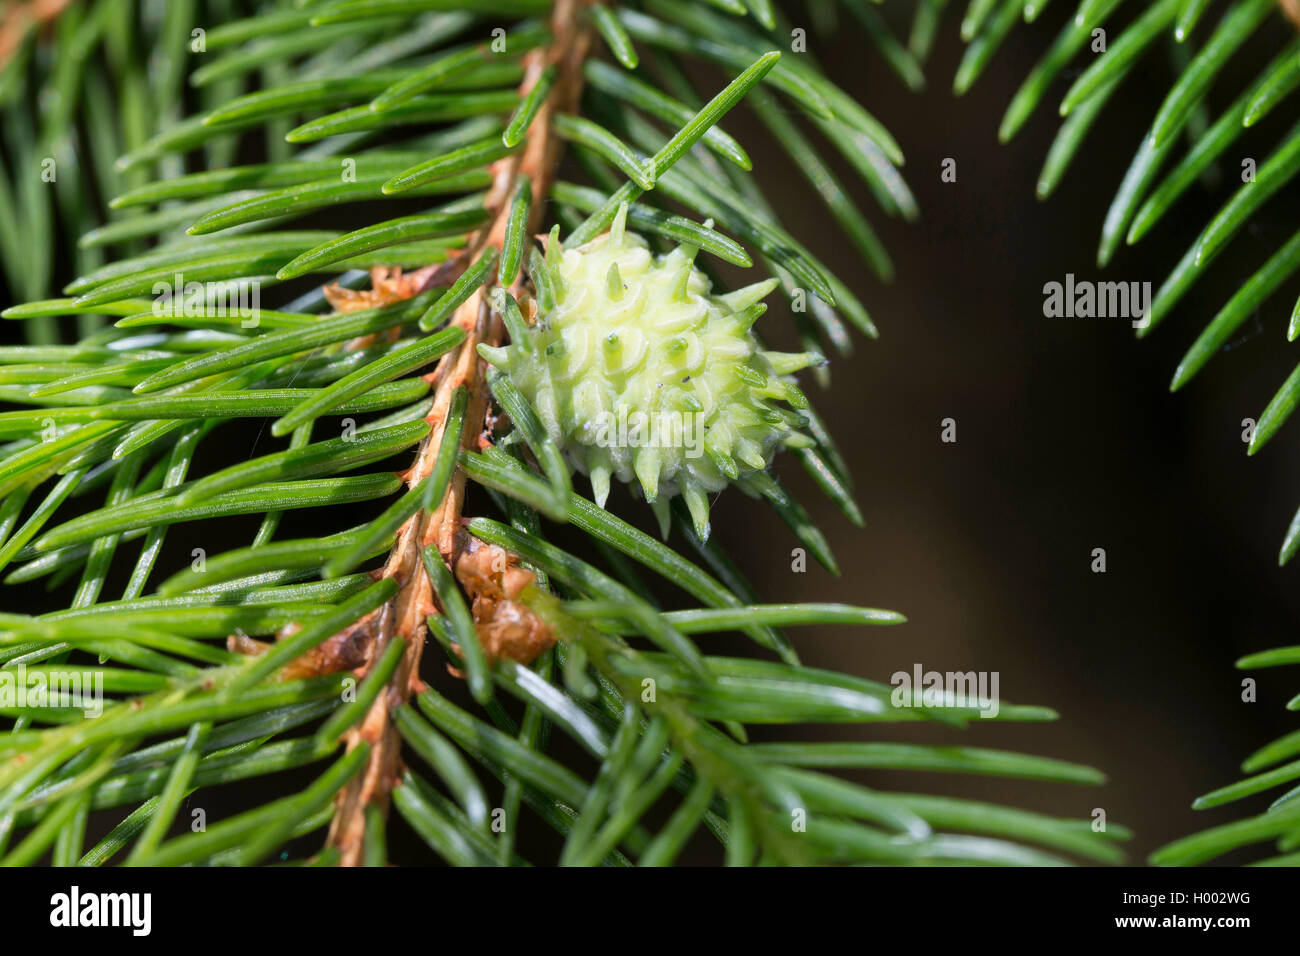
[19,16]
[404,617]
[1291,10]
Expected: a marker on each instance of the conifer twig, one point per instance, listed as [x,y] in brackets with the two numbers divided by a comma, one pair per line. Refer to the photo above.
[404,617]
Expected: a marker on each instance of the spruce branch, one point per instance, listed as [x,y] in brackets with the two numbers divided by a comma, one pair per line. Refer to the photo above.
[459,371]
[400,103]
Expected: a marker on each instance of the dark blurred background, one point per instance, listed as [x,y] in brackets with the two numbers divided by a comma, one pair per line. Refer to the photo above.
[1068,440]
